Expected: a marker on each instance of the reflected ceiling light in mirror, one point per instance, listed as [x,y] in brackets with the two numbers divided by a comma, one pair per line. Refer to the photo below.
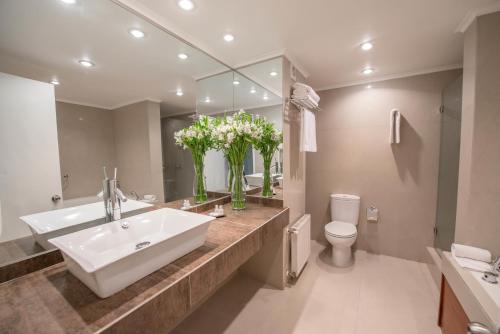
[265,97]
[136,33]
[273,73]
[179,92]
[253,90]
[182,56]
[236,82]
[69,2]
[86,63]
[366,46]
[207,100]
[55,82]
[186,4]
[228,37]
[367,70]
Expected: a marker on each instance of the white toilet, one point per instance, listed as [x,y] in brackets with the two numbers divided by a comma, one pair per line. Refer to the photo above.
[342,232]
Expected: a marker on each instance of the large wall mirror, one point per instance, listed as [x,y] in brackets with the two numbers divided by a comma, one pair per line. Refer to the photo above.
[100,86]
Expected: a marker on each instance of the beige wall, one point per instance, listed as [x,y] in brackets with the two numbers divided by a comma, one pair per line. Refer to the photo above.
[86,144]
[354,157]
[478,211]
[128,138]
[138,148]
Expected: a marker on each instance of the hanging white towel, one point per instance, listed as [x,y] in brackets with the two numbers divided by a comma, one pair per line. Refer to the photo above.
[395,125]
[307,131]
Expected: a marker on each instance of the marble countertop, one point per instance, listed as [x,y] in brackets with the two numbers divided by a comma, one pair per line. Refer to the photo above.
[54,301]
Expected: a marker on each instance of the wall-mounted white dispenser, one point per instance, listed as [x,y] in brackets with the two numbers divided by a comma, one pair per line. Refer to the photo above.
[372,214]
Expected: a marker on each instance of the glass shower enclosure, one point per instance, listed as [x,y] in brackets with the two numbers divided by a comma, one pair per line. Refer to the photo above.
[451,112]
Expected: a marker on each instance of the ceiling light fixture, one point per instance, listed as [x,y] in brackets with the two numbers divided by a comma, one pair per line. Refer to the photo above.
[236,82]
[182,56]
[55,82]
[136,33]
[186,4]
[367,70]
[253,91]
[228,37]
[86,63]
[273,73]
[265,97]
[367,46]
[207,100]
[179,92]
[69,2]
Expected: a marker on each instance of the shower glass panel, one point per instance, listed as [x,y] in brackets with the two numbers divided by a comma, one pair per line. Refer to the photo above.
[448,165]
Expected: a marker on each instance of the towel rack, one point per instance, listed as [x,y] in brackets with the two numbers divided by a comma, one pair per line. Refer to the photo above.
[298,104]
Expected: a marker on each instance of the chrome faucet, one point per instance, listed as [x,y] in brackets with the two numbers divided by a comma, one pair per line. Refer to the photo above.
[112,197]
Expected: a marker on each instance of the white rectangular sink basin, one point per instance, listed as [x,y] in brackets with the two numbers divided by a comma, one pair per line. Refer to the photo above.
[257,179]
[108,258]
[50,224]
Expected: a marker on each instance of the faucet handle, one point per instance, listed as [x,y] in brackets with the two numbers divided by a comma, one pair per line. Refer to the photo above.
[496,265]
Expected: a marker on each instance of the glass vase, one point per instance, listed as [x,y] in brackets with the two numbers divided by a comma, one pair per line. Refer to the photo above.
[267,189]
[238,187]
[199,183]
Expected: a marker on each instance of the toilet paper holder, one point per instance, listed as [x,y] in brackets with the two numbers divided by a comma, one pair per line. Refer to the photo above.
[372,214]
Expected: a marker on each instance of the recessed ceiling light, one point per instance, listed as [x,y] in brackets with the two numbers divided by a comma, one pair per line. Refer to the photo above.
[253,91]
[265,97]
[186,4]
[207,100]
[369,86]
[86,63]
[137,33]
[366,46]
[69,2]
[228,37]
[55,82]
[236,82]
[367,70]
[273,73]
[179,92]
[182,56]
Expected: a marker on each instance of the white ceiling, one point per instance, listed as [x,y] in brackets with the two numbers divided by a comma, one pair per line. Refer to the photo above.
[322,37]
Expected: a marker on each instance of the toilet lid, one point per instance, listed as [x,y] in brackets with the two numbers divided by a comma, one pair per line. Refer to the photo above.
[341,229]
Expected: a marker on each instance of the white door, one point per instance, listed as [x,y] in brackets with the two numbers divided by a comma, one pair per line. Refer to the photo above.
[29,153]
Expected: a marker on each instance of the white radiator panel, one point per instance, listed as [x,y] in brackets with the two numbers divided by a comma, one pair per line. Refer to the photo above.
[300,240]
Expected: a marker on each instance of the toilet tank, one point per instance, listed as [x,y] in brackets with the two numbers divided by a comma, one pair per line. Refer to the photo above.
[345,208]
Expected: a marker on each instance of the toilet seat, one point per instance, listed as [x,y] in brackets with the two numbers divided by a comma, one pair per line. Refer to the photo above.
[340,229]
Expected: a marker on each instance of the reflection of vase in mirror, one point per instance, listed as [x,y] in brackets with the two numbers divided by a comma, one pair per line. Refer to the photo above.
[199,182]
[267,190]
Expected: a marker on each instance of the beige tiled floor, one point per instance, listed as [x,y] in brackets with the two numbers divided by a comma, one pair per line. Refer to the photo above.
[379,294]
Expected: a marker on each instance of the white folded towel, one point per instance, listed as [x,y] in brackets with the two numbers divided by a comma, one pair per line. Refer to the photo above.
[307,131]
[302,93]
[470,252]
[472,258]
[301,89]
[394,124]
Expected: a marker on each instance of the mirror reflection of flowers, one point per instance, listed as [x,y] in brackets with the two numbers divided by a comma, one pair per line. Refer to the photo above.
[198,139]
[266,141]
[233,135]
